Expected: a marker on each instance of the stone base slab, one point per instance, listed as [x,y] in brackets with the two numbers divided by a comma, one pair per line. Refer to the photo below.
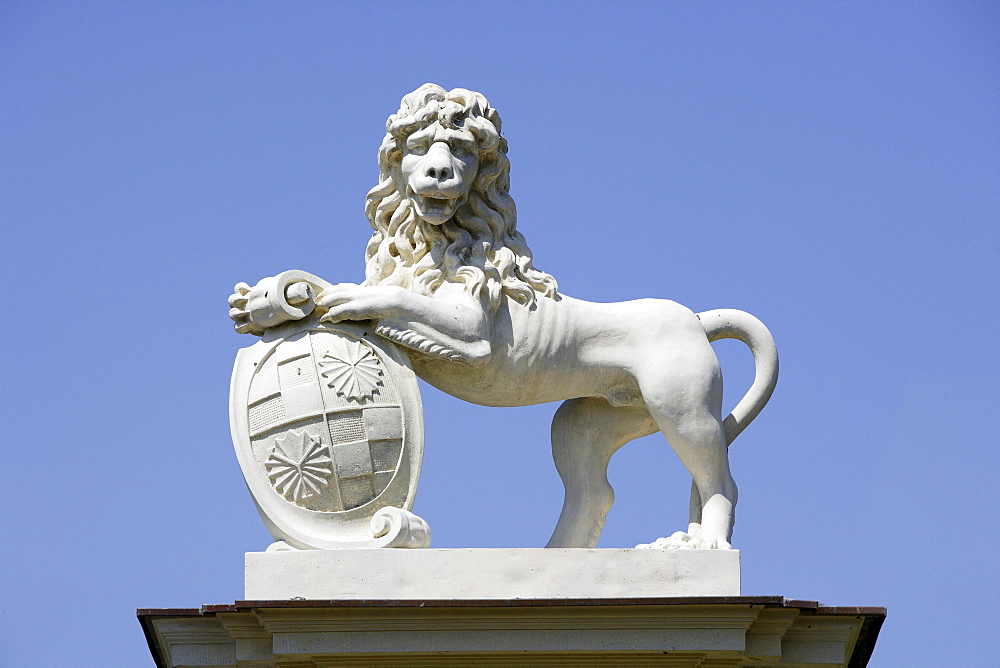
[699,631]
[490,574]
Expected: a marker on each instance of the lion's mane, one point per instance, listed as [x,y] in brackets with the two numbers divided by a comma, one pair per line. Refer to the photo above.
[479,247]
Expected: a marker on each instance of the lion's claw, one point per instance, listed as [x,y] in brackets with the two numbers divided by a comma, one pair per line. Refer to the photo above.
[685,541]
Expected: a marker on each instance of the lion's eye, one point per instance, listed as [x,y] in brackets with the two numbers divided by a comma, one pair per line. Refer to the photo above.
[460,151]
[417,149]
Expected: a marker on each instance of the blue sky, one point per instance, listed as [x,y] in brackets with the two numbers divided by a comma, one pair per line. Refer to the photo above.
[833,168]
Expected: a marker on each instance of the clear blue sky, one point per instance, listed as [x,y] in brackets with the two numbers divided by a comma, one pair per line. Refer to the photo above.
[833,168]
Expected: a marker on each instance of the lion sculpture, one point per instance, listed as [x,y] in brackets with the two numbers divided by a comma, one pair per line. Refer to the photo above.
[451,279]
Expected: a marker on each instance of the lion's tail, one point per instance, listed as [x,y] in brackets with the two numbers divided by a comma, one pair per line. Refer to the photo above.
[727,323]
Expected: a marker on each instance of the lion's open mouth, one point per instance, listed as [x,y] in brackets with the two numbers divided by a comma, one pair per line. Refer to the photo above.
[437,209]
[435,205]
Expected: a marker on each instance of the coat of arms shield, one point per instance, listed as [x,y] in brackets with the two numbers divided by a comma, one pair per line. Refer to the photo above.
[328,429]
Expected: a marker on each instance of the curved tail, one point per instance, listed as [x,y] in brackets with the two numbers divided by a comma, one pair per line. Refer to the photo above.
[727,323]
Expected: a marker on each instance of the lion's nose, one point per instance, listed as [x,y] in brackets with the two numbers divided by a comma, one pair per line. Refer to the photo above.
[439,173]
[437,164]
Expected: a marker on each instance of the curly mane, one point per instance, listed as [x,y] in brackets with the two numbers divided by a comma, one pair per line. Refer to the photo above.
[479,247]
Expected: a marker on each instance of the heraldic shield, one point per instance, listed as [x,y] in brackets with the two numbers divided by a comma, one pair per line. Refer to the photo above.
[328,429]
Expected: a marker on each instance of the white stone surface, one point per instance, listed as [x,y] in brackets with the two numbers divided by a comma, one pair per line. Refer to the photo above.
[490,574]
[451,279]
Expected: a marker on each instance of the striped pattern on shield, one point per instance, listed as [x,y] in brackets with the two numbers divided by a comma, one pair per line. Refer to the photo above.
[326,423]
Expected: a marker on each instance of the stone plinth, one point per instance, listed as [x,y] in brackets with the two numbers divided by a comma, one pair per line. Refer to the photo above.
[727,631]
[489,574]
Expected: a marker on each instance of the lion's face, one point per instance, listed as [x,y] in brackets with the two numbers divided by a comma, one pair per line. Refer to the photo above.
[439,166]
[442,212]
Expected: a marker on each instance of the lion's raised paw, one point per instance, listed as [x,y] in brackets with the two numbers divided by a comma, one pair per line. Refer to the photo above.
[680,540]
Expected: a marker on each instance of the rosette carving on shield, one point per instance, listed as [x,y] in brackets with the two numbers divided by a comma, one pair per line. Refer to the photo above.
[352,370]
[299,466]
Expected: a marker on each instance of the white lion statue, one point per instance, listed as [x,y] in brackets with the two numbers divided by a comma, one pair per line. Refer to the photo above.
[450,278]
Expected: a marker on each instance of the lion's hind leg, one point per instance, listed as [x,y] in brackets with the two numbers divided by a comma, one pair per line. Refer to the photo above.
[686,404]
[585,433]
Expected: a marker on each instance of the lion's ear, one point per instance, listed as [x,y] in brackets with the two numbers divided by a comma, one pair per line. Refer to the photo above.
[493,117]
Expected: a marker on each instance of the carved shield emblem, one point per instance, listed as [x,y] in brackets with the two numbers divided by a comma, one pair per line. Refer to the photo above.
[328,428]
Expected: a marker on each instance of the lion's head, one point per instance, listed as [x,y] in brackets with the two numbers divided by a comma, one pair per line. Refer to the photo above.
[442,210]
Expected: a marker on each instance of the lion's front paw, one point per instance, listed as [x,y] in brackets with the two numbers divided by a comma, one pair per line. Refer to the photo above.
[680,540]
[239,311]
[349,301]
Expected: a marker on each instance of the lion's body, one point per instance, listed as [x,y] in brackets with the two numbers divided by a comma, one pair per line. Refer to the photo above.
[451,279]
[568,349]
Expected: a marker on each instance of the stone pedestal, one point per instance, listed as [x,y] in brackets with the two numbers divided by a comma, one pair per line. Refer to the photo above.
[490,574]
[689,631]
